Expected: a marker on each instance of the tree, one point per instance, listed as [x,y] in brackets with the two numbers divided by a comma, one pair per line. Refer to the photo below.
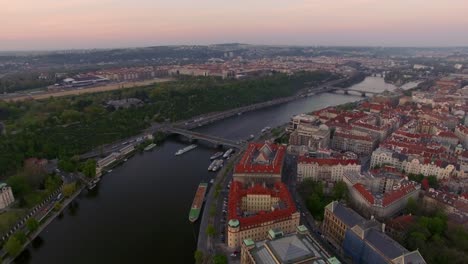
[198,257]
[57,206]
[13,246]
[19,185]
[89,168]
[432,181]
[210,230]
[68,189]
[52,183]
[32,224]
[315,206]
[340,191]
[411,206]
[416,240]
[67,165]
[220,259]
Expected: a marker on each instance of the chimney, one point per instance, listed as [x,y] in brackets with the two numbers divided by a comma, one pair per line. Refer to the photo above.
[383,227]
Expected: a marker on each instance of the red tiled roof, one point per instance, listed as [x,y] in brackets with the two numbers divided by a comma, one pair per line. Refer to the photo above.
[245,165]
[235,199]
[393,196]
[364,192]
[353,136]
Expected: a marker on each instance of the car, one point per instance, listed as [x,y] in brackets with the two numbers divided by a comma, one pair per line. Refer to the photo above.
[233,255]
[303,214]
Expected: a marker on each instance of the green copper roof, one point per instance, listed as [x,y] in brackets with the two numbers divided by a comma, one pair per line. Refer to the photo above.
[302,229]
[334,260]
[249,242]
[275,233]
[233,223]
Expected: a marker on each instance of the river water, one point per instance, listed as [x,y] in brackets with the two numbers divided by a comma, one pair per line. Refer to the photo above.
[139,212]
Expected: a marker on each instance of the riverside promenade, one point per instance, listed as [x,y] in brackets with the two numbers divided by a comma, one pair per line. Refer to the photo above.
[49,216]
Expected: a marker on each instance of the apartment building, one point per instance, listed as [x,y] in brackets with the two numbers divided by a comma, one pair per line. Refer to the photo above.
[327,169]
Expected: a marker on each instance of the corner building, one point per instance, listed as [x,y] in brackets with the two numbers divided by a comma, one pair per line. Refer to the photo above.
[253,211]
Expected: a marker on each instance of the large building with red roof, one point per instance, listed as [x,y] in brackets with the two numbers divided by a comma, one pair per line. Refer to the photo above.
[261,162]
[355,141]
[255,210]
[327,169]
[386,203]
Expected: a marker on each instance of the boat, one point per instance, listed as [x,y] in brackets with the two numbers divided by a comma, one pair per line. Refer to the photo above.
[182,151]
[198,202]
[96,180]
[219,163]
[125,160]
[150,147]
[216,155]
[265,129]
[228,153]
[251,137]
[92,187]
[211,165]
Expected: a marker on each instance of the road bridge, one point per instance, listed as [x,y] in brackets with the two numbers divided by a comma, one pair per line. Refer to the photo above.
[334,89]
[199,136]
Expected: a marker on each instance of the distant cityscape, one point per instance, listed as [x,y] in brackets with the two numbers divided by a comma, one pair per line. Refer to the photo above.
[368,175]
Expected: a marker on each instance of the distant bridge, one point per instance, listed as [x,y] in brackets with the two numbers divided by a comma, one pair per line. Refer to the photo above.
[333,89]
[212,139]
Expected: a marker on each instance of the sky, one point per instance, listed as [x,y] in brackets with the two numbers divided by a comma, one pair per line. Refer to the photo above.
[76,24]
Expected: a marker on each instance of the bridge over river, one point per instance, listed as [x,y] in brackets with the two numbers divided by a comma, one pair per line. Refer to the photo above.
[199,136]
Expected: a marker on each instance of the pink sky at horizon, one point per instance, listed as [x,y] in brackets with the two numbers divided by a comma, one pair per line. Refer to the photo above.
[58,24]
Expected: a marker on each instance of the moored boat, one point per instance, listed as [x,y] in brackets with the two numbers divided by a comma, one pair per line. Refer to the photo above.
[211,165]
[198,202]
[216,155]
[150,147]
[228,153]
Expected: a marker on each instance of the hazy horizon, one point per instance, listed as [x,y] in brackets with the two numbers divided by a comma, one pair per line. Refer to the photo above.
[85,24]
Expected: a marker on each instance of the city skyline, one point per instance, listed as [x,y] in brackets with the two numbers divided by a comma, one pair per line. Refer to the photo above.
[84,24]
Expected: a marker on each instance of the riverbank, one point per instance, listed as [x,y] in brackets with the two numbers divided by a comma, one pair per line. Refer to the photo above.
[156,189]
[43,225]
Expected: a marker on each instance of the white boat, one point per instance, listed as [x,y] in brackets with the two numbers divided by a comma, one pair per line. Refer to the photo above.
[265,129]
[228,153]
[150,147]
[182,151]
[212,165]
[216,155]
[218,165]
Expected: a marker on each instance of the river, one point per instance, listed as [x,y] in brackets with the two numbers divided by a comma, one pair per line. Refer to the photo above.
[139,212]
